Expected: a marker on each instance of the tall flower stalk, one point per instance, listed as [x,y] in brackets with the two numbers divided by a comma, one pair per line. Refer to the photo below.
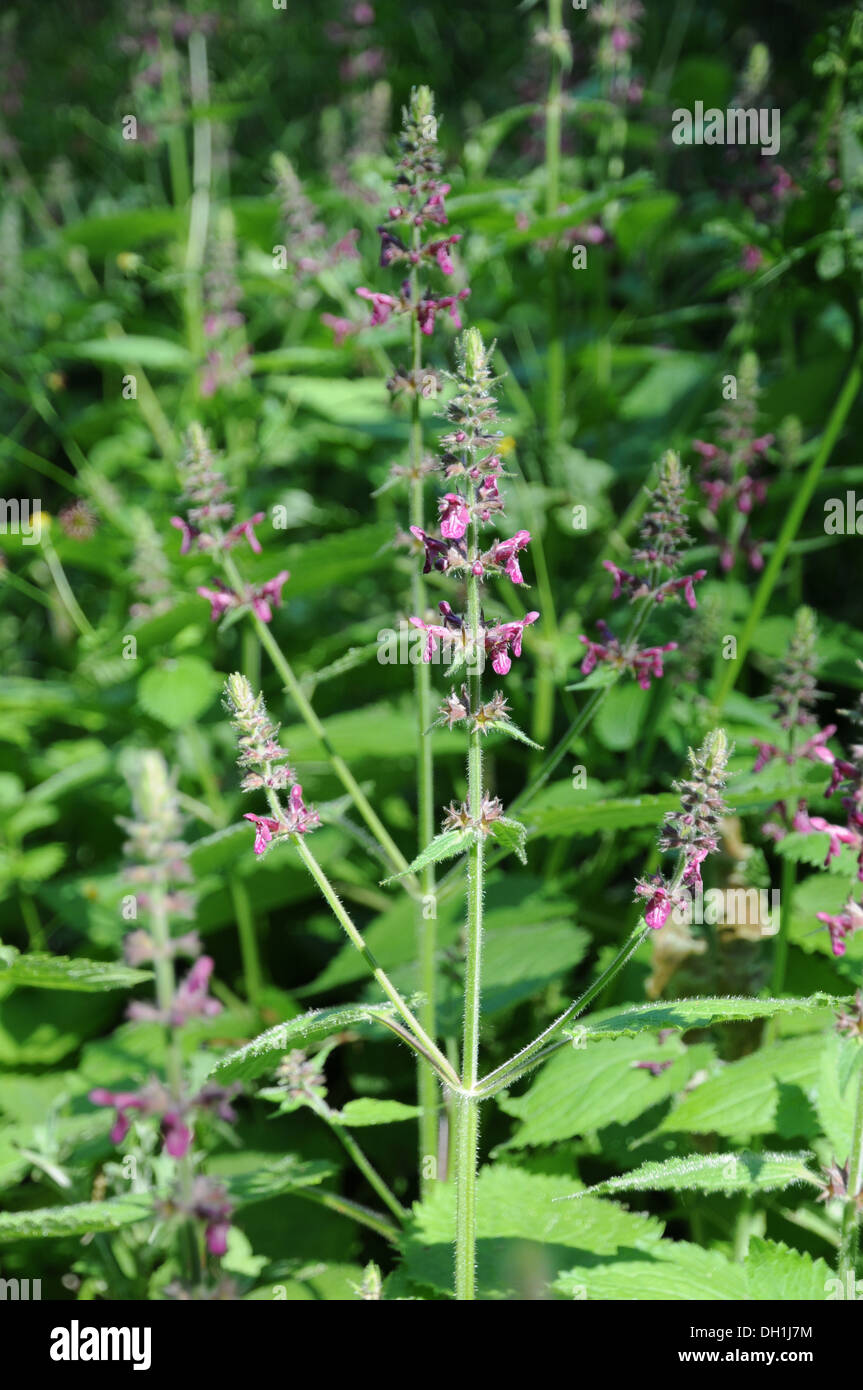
[471,463]
[419,209]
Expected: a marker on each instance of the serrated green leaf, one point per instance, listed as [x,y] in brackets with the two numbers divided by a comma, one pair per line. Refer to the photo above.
[511,836]
[444,846]
[671,1271]
[39,971]
[505,726]
[76,1220]
[263,1053]
[286,1175]
[521,1231]
[179,692]
[367,1110]
[768,1091]
[741,1172]
[837,1089]
[689,1013]
[776,1273]
[582,1088]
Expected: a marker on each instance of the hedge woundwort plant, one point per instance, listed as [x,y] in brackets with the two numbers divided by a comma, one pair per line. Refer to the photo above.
[410,245]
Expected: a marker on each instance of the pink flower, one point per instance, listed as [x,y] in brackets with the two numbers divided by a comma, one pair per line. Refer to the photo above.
[842,925]
[177,1135]
[245,528]
[437,554]
[454,516]
[121,1101]
[342,328]
[661,901]
[751,259]
[271,591]
[192,999]
[265,829]
[220,600]
[503,637]
[505,553]
[839,834]
[190,533]
[382,305]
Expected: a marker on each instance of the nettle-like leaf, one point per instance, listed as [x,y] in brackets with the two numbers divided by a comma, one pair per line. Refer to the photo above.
[179,692]
[287,1174]
[774,1272]
[768,1091]
[689,1013]
[38,971]
[506,726]
[444,846]
[677,1271]
[520,1229]
[79,1219]
[671,1271]
[262,1054]
[837,1090]
[741,1172]
[582,1088]
[367,1110]
[511,835]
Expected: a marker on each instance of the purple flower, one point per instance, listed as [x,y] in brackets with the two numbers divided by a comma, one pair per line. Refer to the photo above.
[454,516]
[505,553]
[502,638]
[382,305]
[842,925]
[645,663]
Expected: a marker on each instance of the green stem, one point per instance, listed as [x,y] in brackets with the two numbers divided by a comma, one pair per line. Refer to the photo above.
[199,210]
[467,1111]
[850,1235]
[363,1163]
[426,908]
[64,590]
[345,1207]
[389,989]
[790,526]
[249,954]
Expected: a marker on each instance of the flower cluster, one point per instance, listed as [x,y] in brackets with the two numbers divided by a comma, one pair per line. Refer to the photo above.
[468,453]
[207,1203]
[304,234]
[174,1113]
[228,352]
[209,526]
[663,539]
[692,832]
[157,867]
[619,37]
[731,476]
[794,693]
[259,756]
[460,818]
[409,237]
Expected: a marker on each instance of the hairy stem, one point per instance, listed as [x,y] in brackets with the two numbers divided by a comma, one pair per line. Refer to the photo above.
[426,909]
[467,1111]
